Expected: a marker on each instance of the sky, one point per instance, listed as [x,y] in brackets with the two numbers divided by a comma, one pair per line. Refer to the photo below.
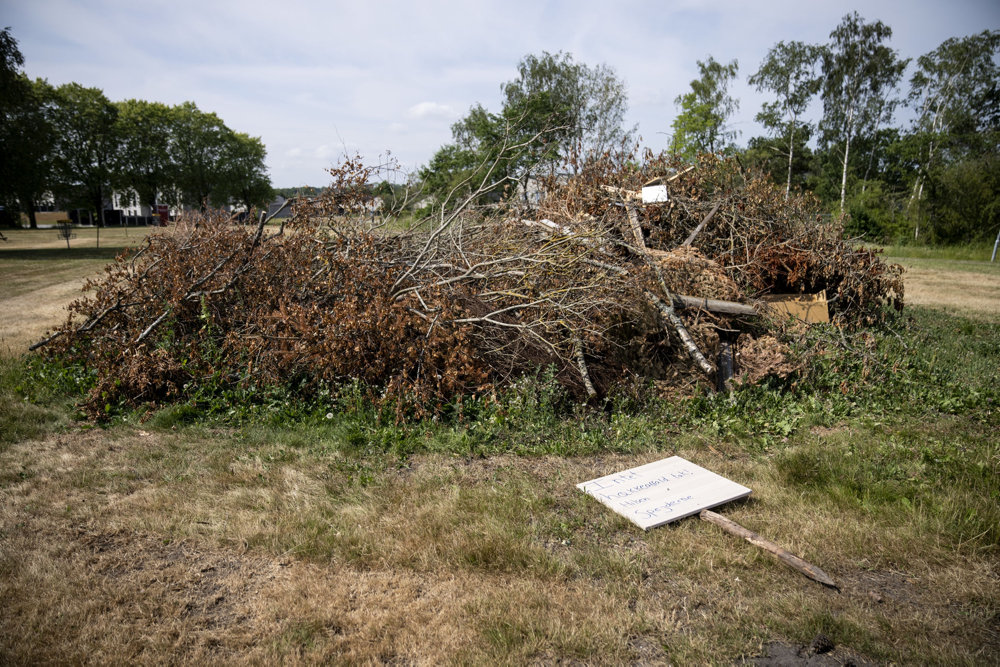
[316,80]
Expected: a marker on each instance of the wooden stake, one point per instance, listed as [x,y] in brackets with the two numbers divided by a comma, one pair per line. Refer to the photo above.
[753,538]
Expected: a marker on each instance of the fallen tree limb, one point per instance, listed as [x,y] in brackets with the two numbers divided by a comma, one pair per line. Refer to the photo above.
[713,305]
[784,556]
[581,365]
[666,308]
[95,320]
[701,225]
[633,221]
[692,348]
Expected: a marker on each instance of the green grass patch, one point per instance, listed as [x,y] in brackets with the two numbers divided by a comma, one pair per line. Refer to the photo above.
[36,398]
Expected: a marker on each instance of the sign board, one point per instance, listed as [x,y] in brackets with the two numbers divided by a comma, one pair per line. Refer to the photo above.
[663,491]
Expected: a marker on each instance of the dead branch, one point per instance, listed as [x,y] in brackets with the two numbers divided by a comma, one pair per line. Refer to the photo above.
[697,230]
[689,345]
[784,556]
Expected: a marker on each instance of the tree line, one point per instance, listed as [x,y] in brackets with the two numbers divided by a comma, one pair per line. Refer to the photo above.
[71,143]
[934,178]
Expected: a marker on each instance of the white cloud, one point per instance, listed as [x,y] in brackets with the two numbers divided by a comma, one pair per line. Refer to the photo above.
[431,110]
[312,78]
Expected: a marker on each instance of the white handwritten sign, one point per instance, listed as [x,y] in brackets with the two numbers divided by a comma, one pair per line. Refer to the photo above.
[663,491]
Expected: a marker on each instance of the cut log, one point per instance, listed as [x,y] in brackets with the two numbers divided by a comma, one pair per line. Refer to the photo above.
[713,305]
[785,557]
[633,221]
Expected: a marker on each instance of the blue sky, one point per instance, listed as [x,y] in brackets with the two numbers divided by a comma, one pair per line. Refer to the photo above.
[317,79]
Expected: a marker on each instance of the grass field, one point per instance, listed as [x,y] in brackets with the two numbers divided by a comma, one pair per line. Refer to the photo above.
[960,281]
[41,277]
[334,536]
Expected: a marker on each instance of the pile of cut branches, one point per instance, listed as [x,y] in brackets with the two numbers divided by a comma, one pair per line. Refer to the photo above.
[593,283]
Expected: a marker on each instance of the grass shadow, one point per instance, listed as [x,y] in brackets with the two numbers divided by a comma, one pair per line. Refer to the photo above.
[42,254]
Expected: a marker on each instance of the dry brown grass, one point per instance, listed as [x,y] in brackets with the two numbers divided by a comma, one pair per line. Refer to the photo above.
[25,318]
[126,545]
[40,277]
[961,292]
[86,237]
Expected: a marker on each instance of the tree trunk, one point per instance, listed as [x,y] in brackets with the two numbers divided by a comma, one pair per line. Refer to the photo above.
[847,155]
[791,144]
[32,218]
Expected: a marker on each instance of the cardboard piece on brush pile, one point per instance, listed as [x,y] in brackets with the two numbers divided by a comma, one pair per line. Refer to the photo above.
[655,191]
[808,308]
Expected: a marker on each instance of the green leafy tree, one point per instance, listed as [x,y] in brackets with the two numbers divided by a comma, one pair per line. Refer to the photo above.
[788,71]
[701,126]
[860,74]
[954,91]
[581,109]
[197,147]
[449,171]
[963,200]
[146,129]
[11,62]
[86,147]
[243,171]
[26,136]
[557,111]
[488,154]
[771,154]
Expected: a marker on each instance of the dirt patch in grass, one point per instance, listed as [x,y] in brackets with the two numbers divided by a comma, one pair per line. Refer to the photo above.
[820,652]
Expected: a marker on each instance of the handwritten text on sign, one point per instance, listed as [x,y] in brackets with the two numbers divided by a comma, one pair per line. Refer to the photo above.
[663,491]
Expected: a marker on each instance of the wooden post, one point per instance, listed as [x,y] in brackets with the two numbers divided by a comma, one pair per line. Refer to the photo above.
[726,366]
[785,557]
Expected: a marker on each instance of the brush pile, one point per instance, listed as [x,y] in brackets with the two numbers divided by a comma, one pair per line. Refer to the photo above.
[593,283]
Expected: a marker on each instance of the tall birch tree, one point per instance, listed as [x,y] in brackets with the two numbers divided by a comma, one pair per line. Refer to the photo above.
[955,94]
[860,75]
[788,71]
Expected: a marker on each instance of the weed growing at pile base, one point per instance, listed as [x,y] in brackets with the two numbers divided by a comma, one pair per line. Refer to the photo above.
[36,397]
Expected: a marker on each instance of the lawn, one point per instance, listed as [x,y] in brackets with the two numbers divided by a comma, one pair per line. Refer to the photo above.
[41,276]
[960,281]
[279,532]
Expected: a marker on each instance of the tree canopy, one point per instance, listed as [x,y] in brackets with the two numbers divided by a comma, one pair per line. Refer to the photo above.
[788,71]
[860,74]
[71,143]
[556,113]
[701,126]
